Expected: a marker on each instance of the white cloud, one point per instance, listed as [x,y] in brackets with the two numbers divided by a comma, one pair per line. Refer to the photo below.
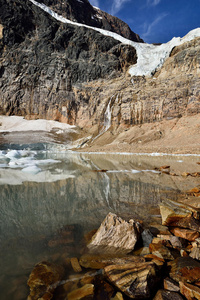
[148,28]
[117,5]
[153,2]
[94,2]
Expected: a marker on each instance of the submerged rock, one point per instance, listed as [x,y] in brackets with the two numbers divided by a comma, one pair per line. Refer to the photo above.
[99,262]
[43,280]
[81,293]
[115,235]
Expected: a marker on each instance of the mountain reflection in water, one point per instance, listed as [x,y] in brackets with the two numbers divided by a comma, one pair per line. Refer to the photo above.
[76,190]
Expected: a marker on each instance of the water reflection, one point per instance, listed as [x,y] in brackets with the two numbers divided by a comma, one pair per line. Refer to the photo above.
[73,191]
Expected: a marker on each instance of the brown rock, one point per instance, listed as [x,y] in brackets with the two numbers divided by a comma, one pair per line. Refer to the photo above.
[86,290]
[183,253]
[43,280]
[152,257]
[103,290]
[185,174]
[118,296]
[161,251]
[190,291]
[98,262]
[193,192]
[175,241]
[187,222]
[173,211]
[187,234]
[167,295]
[171,285]
[141,251]
[136,280]
[75,265]
[114,236]
[88,277]
[159,229]
[185,269]
[195,253]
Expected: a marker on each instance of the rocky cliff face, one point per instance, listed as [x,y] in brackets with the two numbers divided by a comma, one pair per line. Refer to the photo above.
[43,62]
[74,74]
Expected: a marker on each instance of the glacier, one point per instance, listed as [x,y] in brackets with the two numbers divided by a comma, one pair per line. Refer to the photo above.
[150,57]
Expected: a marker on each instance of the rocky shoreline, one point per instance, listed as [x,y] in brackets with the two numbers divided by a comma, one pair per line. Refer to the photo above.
[123,259]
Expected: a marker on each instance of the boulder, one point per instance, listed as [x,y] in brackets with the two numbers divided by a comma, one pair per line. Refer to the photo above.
[147,237]
[161,251]
[185,269]
[171,285]
[136,280]
[114,236]
[189,291]
[187,234]
[43,280]
[173,211]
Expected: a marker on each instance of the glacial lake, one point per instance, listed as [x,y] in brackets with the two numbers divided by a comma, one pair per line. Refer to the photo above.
[47,190]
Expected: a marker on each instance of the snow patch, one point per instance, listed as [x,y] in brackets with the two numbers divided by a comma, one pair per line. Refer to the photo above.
[13,123]
[150,57]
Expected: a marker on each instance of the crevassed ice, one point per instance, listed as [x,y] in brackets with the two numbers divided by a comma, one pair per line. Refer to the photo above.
[150,57]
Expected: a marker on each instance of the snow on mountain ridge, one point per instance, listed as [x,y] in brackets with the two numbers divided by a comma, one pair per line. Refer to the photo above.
[150,57]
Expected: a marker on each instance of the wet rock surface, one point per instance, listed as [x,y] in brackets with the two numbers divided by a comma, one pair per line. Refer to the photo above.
[169,272]
[43,280]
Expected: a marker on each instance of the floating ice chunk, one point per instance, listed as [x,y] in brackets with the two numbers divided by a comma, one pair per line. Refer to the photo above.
[13,154]
[32,170]
[46,161]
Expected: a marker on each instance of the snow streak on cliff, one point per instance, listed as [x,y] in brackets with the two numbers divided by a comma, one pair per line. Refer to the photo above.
[150,57]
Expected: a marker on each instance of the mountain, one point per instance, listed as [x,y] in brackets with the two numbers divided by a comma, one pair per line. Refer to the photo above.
[57,68]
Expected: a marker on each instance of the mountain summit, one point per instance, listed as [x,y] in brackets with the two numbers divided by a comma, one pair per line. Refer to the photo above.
[83,12]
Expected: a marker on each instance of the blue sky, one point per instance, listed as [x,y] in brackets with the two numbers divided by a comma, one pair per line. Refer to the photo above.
[156,21]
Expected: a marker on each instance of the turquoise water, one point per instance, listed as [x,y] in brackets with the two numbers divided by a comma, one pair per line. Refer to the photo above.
[47,190]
